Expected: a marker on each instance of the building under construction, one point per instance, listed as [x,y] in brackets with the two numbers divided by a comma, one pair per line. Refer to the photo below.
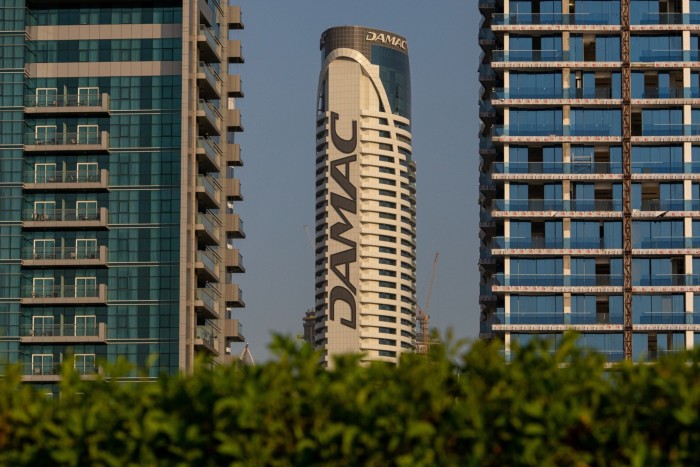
[590,173]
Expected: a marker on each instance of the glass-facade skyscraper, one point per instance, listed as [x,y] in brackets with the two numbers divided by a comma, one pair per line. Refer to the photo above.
[118,236]
[590,173]
[365,197]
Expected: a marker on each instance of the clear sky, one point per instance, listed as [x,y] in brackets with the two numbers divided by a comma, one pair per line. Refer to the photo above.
[280,76]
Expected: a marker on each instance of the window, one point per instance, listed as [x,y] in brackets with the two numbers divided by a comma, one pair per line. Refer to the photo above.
[87,172]
[387,353]
[84,363]
[45,134]
[43,287]
[387,319]
[46,97]
[44,211]
[86,210]
[88,134]
[44,249]
[85,325]
[387,342]
[45,173]
[42,364]
[85,248]
[387,330]
[86,287]
[89,96]
[42,326]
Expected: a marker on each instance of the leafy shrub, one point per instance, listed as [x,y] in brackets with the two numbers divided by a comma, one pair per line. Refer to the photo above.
[457,408]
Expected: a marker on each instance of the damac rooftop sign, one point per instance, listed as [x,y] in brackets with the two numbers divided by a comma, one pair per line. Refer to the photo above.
[385,38]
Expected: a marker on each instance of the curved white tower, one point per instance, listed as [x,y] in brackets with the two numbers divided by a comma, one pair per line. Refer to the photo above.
[365,196]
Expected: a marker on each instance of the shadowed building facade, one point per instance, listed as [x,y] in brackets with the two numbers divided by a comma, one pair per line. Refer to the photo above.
[117,186]
[365,196]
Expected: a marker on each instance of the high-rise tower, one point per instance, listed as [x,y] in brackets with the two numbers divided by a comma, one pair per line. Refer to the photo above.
[590,171]
[365,196]
[117,159]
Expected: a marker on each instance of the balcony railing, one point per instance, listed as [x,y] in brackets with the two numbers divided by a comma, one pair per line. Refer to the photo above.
[670,129]
[556,205]
[651,167]
[62,291]
[526,242]
[212,114]
[67,142]
[213,80]
[670,18]
[559,318]
[211,187]
[215,49]
[58,330]
[66,103]
[209,298]
[560,280]
[65,215]
[670,205]
[211,224]
[553,55]
[668,55]
[548,92]
[206,334]
[210,261]
[212,151]
[666,280]
[552,18]
[69,253]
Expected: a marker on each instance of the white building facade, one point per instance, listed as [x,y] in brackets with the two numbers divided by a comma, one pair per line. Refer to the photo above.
[365,197]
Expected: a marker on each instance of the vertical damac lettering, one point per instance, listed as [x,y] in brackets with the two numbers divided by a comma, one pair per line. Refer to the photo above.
[341,261]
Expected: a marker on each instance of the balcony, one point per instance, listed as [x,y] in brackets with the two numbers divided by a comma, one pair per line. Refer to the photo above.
[208,191]
[205,339]
[666,280]
[208,229]
[233,296]
[233,120]
[63,334]
[667,56]
[210,48]
[65,219]
[65,295]
[559,318]
[233,330]
[670,129]
[556,205]
[234,260]
[233,189]
[564,19]
[670,205]
[50,372]
[234,86]
[234,226]
[209,118]
[210,84]
[67,142]
[67,105]
[209,154]
[529,55]
[526,242]
[207,265]
[233,155]
[82,180]
[559,280]
[235,17]
[235,52]
[65,257]
[207,301]
[574,168]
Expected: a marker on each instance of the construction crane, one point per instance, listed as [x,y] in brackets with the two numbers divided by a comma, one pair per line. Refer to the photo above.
[423,336]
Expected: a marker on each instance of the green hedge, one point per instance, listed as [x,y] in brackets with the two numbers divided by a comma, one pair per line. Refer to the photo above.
[459,408]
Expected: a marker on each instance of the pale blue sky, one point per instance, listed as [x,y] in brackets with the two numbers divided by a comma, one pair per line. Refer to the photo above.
[281,49]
